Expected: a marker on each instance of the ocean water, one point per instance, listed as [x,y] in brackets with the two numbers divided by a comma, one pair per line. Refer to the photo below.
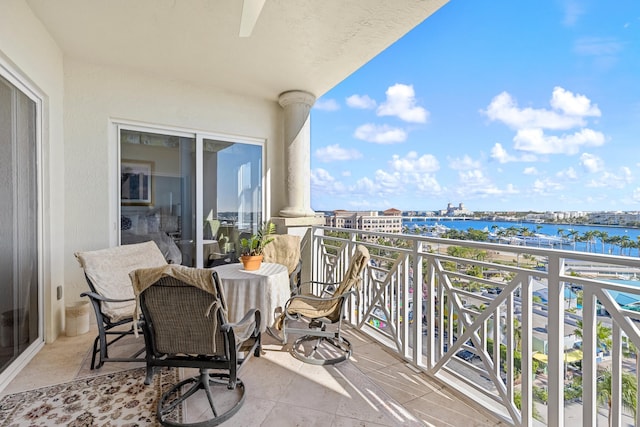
[549,229]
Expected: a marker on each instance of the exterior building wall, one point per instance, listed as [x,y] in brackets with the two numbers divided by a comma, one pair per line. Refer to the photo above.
[27,49]
[96,97]
[368,221]
[81,103]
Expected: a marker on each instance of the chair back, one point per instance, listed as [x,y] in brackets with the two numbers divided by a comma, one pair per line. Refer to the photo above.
[183,319]
[353,276]
[107,272]
[332,309]
[285,250]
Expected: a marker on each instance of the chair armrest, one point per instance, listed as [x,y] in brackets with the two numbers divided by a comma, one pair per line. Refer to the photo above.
[99,297]
[315,282]
[316,298]
[328,286]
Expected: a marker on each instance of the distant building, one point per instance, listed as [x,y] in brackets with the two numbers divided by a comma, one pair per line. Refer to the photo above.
[614,218]
[451,210]
[389,222]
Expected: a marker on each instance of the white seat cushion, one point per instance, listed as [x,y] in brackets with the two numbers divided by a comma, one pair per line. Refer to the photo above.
[108,270]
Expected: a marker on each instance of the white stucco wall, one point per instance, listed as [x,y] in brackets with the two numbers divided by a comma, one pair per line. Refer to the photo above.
[95,97]
[32,54]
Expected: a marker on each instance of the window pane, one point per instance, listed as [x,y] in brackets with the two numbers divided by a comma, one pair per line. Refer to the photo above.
[157,188]
[232,199]
[158,195]
[19,316]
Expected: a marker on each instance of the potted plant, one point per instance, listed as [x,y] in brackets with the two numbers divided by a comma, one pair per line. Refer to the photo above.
[252,248]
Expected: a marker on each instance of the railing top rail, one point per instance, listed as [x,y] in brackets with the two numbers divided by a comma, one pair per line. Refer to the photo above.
[598,258]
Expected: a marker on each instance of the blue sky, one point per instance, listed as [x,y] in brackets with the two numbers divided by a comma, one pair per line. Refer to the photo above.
[500,105]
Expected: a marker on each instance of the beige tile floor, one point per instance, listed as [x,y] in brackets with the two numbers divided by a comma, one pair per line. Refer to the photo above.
[373,388]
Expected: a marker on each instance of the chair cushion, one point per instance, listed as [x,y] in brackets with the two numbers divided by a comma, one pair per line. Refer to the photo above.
[330,308]
[108,270]
[285,250]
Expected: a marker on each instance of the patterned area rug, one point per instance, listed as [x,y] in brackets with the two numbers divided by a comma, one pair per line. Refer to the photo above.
[116,399]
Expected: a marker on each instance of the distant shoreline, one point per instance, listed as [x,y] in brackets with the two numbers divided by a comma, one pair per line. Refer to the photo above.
[470,218]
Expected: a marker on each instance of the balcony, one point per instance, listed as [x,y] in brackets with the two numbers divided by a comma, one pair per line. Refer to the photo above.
[485,306]
[374,388]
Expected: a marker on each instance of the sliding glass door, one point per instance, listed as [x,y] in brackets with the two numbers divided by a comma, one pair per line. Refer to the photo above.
[192,194]
[19,274]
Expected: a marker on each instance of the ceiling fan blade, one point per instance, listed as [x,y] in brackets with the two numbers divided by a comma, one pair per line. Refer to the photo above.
[250,12]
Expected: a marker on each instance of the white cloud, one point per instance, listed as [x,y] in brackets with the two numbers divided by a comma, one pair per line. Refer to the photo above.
[346,173]
[334,153]
[380,134]
[546,186]
[591,163]
[597,46]
[412,174]
[361,101]
[326,105]
[612,180]
[535,141]
[504,108]
[322,180]
[534,127]
[573,10]
[412,163]
[502,156]
[464,163]
[387,181]
[569,173]
[474,183]
[573,105]
[531,170]
[401,103]
[365,185]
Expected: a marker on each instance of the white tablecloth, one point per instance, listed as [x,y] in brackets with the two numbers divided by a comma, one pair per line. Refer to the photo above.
[264,289]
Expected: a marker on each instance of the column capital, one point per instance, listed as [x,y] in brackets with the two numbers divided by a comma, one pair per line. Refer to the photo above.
[296,97]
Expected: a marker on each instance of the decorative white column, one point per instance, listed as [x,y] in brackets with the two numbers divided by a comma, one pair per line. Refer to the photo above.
[297,158]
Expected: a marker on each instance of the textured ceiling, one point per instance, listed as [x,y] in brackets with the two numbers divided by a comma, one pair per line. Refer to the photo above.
[310,45]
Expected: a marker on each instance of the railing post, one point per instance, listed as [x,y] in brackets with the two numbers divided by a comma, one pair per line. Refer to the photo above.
[417,302]
[555,332]
[526,323]
[589,404]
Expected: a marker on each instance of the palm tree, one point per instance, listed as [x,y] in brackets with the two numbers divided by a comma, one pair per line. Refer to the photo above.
[589,239]
[629,391]
[603,236]
[625,243]
[603,335]
[632,351]
[573,234]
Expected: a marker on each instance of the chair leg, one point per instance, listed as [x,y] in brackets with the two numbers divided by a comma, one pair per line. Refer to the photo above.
[93,354]
[171,401]
[341,344]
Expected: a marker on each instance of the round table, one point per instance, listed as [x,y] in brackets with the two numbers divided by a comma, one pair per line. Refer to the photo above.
[265,289]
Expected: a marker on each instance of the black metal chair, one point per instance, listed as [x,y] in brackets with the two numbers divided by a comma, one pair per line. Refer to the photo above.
[319,311]
[186,326]
[111,294]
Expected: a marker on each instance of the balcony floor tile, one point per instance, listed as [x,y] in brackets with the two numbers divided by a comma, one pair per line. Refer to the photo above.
[373,388]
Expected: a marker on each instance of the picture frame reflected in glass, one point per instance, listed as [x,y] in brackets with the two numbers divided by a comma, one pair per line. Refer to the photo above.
[136,182]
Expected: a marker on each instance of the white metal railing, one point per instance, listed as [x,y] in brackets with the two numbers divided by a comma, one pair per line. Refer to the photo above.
[484,307]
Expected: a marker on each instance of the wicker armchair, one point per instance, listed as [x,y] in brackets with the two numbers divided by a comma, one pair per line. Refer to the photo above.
[185,326]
